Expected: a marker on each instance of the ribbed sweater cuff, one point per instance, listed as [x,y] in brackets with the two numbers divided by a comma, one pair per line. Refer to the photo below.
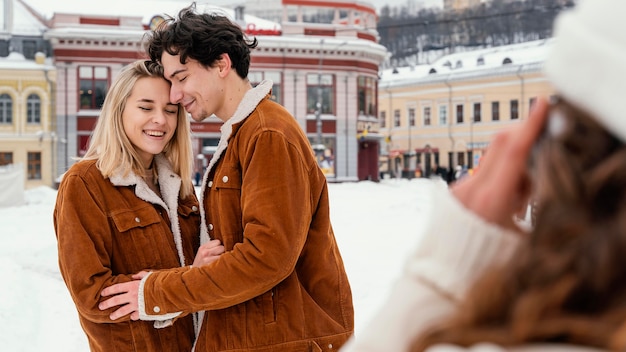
[457,246]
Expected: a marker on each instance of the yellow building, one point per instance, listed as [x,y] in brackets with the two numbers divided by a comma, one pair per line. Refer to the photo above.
[459,4]
[27,123]
[447,113]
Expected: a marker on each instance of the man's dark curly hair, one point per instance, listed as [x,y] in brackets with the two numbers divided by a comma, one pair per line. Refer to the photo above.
[202,37]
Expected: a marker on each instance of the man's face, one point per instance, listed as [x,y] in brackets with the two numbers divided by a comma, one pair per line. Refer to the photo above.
[196,87]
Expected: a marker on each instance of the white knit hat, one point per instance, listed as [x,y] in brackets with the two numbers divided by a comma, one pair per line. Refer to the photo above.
[587,60]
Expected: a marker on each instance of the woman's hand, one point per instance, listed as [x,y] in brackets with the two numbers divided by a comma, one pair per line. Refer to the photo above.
[502,185]
[208,253]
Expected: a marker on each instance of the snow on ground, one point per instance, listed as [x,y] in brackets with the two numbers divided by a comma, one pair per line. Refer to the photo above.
[375,224]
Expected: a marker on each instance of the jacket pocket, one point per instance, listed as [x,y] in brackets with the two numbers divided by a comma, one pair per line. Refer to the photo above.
[269,308]
[228,177]
[142,236]
[135,218]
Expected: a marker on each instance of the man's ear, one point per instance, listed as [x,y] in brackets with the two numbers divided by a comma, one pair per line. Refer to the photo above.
[224,64]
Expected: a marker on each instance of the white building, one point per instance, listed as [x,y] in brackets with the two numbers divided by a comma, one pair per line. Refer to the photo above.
[91,43]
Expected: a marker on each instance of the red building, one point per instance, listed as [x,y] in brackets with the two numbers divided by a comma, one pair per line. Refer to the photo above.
[325,74]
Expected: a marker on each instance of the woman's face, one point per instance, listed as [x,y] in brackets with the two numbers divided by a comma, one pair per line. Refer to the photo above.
[149,118]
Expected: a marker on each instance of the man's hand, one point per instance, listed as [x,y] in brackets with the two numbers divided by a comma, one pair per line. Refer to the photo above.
[208,253]
[124,295]
[502,185]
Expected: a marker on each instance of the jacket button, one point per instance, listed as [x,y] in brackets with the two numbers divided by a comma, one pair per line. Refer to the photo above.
[225,179]
[156,309]
[194,208]
[210,226]
[330,346]
[137,220]
[210,184]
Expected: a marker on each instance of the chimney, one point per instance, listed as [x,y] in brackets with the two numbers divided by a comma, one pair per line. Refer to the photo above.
[7,20]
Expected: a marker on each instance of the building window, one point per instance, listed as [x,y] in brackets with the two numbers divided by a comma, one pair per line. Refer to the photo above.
[443,114]
[277,80]
[460,158]
[94,83]
[426,116]
[33,109]
[514,109]
[396,118]
[6,158]
[476,112]
[4,48]
[29,48]
[383,119]
[320,87]
[6,109]
[531,103]
[411,116]
[366,87]
[495,110]
[34,165]
[459,113]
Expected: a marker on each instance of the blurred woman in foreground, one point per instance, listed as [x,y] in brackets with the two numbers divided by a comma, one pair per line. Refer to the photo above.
[477,281]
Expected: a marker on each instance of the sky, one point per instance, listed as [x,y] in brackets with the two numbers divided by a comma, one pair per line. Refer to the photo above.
[48,7]
[376,225]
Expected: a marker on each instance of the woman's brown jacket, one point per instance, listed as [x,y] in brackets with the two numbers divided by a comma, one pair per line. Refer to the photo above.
[109,229]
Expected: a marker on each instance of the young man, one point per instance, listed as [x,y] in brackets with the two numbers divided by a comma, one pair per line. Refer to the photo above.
[281,285]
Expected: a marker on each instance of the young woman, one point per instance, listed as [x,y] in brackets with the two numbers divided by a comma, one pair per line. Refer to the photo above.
[129,205]
[478,282]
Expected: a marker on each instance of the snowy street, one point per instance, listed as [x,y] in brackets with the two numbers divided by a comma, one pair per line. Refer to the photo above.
[375,225]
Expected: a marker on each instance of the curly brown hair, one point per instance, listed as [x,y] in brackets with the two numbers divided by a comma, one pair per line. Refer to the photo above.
[203,37]
[567,281]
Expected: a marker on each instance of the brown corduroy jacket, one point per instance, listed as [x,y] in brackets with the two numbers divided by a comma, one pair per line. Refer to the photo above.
[281,285]
[109,229]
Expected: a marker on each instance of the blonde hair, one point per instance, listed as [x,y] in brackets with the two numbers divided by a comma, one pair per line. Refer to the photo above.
[112,149]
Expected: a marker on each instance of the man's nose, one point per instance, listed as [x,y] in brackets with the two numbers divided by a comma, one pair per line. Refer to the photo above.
[176,95]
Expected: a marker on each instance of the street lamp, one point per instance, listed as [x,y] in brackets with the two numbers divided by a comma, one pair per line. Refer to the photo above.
[319,147]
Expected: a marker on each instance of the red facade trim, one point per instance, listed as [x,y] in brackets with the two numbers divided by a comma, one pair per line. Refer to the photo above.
[321,32]
[292,62]
[86,123]
[115,55]
[328,126]
[204,127]
[366,36]
[331,4]
[100,21]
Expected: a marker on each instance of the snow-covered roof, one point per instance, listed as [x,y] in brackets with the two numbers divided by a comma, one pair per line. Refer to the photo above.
[17,61]
[146,9]
[471,62]
[23,22]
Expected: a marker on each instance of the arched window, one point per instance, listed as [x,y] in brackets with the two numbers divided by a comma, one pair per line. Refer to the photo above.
[432,70]
[33,109]
[6,109]
[507,61]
